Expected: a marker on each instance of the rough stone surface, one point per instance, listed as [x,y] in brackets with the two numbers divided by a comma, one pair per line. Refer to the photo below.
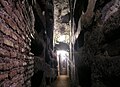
[62,20]
[99,55]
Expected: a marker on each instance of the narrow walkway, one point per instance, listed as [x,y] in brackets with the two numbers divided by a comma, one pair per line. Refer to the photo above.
[62,81]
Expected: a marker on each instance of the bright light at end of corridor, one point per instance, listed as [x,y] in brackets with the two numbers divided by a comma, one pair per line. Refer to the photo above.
[63,54]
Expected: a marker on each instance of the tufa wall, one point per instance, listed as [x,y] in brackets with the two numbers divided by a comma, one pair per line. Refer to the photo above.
[99,45]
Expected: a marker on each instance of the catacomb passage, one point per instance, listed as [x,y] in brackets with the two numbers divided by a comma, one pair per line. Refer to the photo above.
[59,43]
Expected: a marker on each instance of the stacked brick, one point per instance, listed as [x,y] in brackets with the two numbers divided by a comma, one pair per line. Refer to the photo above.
[16,29]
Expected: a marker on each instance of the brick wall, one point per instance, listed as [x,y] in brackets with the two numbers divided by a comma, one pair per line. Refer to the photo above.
[16,27]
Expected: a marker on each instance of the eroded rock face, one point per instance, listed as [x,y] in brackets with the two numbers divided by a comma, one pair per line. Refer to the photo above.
[81,6]
[61,19]
[100,54]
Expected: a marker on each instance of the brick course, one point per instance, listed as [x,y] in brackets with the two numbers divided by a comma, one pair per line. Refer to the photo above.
[16,23]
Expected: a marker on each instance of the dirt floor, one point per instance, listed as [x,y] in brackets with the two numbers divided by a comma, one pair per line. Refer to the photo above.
[62,81]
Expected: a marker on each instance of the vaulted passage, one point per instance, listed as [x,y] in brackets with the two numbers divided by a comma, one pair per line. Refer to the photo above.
[59,43]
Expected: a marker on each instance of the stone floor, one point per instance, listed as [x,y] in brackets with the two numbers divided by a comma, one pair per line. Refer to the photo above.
[62,81]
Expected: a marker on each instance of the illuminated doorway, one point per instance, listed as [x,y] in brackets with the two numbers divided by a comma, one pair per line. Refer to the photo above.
[62,57]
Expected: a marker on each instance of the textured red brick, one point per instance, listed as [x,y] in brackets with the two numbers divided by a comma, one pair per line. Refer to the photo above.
[9,65]
[3,14]
[23,37]
[21,46]
[17,14]
[13,73]
[4,29]
[13,53]
[21,70]
[8,9]
[3,76]
[18,31]
[21,42]
[19,6]
[6,83]
[2,66]
[28,47]
[21,63]
[21,82]
[17,78]
[8,20]
[15,28]
[6,66]
[1,39]
[16,46]
[14,84]
[4,52]
[16,63]
[25,45]
[19,55]
[6,6]
[14,36]
[8,42]
[17,84]
[23,50]
[16,18]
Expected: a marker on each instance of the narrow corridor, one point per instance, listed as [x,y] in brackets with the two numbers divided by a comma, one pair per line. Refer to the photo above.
[62,81]
[59,43]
